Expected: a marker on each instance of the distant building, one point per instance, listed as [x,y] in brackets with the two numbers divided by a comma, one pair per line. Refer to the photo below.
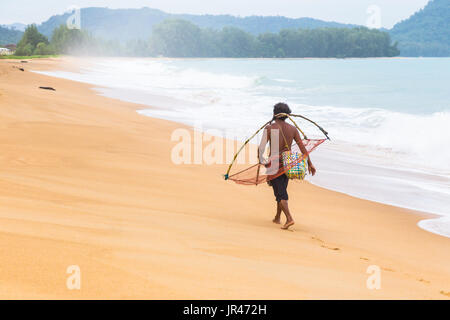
[11,47]
[8,49]
[5,52]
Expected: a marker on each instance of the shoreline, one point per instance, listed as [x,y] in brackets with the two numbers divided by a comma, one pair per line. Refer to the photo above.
[434,208]
[88,185]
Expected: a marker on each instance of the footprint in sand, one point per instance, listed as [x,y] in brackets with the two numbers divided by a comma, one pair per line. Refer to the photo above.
[317,239]
[445,293]
[423,280]
[365,259]
[330,248]
[323,245]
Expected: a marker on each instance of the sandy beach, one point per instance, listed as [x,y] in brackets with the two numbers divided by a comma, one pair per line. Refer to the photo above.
[87,181]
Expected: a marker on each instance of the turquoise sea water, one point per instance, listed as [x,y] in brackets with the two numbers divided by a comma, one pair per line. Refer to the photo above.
[417,86]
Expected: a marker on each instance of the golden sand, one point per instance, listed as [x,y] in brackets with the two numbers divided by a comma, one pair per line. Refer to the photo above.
[87,181]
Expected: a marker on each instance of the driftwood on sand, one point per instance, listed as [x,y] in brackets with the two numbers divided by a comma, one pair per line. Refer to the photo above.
[47,88]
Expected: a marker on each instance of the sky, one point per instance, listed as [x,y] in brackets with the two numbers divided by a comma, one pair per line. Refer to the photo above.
[388,12]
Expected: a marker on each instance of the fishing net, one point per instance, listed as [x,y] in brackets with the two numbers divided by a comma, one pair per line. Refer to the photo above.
[273,167]
[259,173]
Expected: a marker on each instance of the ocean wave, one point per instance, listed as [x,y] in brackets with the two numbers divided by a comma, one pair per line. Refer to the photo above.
[418,139]
[153,74]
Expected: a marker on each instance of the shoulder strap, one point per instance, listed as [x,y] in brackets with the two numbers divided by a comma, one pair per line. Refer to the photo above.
[284,137]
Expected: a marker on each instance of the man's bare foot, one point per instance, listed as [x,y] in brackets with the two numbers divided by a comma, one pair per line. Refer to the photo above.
[288,224]
[277,221]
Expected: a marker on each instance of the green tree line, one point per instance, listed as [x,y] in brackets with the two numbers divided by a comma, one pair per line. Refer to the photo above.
[180,38]
[76,42]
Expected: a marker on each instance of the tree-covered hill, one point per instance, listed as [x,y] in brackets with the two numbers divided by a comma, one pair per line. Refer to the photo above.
[8,36]
[427,32]
[15,26]
[180,38]
[130,24]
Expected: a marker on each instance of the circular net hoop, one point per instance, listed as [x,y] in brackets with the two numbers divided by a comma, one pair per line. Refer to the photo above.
[260,173]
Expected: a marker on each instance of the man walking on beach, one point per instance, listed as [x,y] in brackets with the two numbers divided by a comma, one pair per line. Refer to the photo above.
[286,134]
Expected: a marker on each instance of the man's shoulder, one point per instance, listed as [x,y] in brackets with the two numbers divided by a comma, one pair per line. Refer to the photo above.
[284,125]
[290,127]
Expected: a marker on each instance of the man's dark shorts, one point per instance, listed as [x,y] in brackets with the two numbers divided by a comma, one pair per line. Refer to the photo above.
[279,186]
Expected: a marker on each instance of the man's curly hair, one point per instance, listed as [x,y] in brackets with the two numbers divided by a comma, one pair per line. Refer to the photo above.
[281,108]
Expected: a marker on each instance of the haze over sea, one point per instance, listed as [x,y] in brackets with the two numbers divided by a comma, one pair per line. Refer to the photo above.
[389,119]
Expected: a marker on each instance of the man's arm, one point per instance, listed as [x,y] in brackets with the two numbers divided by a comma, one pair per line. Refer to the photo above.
[298,140]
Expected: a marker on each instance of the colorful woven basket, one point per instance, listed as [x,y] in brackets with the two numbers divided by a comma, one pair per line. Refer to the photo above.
[297,169]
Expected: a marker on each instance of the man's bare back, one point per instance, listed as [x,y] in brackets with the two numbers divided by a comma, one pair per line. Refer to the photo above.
[282,128]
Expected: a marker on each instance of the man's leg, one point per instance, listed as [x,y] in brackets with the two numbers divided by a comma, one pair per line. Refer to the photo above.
[280,191]
[285,207]
[284,203]
[277,218]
